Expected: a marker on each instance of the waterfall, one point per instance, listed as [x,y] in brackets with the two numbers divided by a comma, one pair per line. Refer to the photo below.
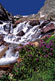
[21,34]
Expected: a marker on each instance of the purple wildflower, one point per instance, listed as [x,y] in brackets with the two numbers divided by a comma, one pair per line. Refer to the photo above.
[51,54]
[42,44]
[51,44]
[51,49]
[46,55]
[41,41]
[37,60]
[30,55]
[49,36]
[47,46]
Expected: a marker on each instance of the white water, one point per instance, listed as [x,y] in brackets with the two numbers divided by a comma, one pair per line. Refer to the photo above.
[9,57]
[10,36]
[31,33]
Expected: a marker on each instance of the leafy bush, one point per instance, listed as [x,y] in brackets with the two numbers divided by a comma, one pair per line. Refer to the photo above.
[38,64]
[50,38]
[35,59]
[4,78]
[30,60]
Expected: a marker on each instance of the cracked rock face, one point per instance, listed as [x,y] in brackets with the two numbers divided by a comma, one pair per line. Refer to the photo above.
[4,15]
[49,6]
[48,9]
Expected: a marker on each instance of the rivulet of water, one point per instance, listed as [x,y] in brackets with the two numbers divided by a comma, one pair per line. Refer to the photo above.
[12,36]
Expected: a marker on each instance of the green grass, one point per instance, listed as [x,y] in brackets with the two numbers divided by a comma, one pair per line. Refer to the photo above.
[34,67]
[51,38]
[44,75]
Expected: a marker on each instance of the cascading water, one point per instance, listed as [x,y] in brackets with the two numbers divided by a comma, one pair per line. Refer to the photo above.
[30,34]
[21,34]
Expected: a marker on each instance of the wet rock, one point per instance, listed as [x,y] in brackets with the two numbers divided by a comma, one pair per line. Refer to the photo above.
[44,23]
[18,39]
[43,37]
[17,22]
[6,68]
[26,19]
[34,22]
[7,27]
[2,53]
[1,37]
[1,22]
[1,40]
[21,33]
[48,28]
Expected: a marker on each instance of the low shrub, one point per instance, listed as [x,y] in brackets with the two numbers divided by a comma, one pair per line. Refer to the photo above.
[38,64]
